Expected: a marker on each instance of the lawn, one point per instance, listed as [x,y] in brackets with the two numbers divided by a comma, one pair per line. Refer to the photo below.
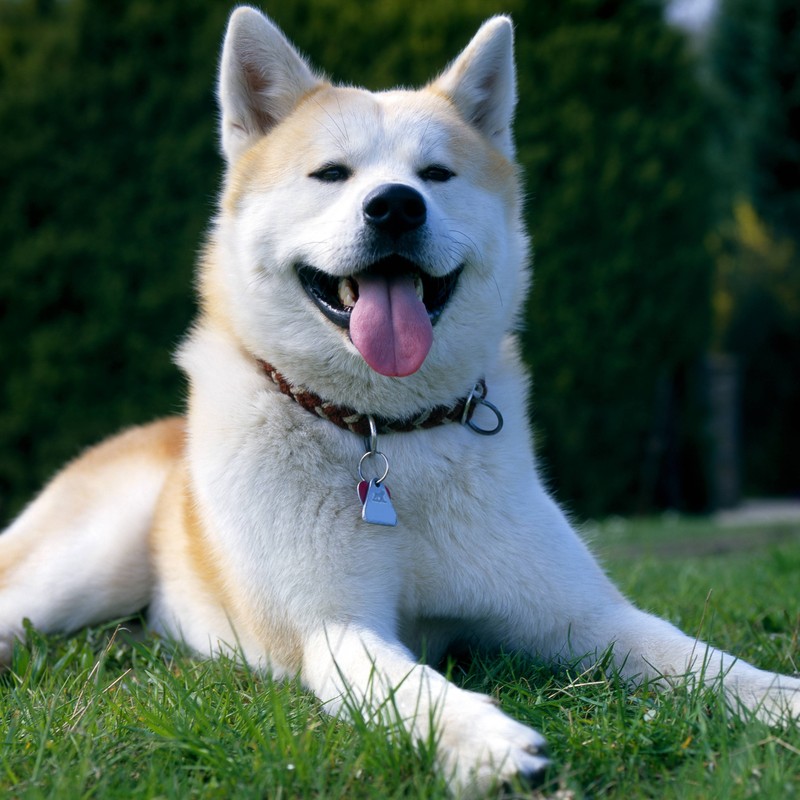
[114,712]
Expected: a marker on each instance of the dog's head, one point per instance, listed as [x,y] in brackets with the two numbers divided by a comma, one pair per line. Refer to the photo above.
[368,245]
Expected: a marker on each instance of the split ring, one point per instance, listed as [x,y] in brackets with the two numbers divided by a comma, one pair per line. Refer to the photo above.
[376,453]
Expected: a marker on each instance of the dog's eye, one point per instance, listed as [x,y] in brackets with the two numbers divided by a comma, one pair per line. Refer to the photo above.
[331,173]
[436,173]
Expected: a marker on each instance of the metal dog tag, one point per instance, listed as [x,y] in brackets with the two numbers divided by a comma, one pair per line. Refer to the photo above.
[377,507]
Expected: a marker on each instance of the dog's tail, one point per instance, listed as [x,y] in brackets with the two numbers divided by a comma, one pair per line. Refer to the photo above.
[79,553]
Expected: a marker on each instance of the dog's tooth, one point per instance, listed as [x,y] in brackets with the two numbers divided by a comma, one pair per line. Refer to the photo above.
[347,293]
[418,286]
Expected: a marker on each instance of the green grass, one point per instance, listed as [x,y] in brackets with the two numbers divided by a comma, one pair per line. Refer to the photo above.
[110,713]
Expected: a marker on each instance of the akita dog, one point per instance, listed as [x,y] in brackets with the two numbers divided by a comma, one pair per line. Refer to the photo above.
[360,290]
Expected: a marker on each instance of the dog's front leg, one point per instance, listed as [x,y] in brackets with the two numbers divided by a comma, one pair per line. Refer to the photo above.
[646,646]
[356,670]
[567,608]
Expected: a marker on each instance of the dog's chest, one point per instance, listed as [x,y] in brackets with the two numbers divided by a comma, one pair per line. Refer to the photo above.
[296,476]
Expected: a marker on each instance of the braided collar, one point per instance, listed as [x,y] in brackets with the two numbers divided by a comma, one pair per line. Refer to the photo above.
[354,421]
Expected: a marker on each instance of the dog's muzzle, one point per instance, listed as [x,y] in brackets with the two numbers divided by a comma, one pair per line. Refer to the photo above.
[389,309]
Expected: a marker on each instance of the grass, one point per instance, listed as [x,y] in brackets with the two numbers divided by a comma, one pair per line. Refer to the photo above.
[114,712]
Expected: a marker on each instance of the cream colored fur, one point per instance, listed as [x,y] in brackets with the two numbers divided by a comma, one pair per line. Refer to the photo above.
[240,526]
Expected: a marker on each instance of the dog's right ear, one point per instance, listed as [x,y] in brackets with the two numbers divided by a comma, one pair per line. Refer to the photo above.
[261,79]
[482,82]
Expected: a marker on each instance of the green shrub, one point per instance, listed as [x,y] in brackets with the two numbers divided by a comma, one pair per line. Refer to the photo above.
[613,136]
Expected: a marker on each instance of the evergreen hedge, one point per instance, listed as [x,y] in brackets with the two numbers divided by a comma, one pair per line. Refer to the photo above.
[613,137]
[752,61]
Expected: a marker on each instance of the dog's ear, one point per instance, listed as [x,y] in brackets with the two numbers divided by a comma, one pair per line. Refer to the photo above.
[481,82]
[261,79]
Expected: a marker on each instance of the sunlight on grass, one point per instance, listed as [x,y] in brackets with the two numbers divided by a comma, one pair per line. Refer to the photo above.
[116,712]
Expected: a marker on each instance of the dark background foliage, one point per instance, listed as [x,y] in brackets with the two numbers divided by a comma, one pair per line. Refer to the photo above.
[109,172]
[754,85]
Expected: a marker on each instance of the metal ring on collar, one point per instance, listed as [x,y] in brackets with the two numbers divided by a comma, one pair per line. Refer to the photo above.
[376,453]
[477,397]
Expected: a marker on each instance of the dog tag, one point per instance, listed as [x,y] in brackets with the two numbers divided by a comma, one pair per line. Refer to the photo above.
[377,507]
[362,491]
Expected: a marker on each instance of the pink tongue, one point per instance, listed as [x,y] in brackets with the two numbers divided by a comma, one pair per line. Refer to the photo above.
[389,325]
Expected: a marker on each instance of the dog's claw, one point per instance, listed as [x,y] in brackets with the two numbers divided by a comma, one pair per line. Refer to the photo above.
[533,771]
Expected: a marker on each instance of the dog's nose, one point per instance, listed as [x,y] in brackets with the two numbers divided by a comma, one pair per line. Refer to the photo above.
[395,208]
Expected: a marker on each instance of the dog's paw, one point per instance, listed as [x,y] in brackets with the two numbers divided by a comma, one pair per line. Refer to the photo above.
[774,699]
[780,704]
[482,748]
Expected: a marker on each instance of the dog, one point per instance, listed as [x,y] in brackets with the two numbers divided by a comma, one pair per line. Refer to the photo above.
[354,480]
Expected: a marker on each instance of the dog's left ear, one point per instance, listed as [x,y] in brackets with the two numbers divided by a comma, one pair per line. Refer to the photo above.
[482,83]
[261,80]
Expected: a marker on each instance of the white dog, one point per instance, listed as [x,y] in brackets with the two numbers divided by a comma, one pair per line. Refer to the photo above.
[329,505]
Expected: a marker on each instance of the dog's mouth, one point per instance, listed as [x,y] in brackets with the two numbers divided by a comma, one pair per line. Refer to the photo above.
[389,309]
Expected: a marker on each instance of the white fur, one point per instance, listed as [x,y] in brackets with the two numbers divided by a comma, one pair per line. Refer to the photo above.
[257,544]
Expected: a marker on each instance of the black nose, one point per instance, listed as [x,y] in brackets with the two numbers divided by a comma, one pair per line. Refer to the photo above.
[395,208]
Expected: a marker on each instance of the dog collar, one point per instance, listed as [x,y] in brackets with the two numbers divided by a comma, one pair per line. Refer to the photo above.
[350,419]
